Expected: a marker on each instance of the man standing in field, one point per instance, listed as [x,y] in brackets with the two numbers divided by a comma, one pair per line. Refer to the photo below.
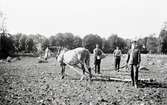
[117,58]
[97,58]
[133,61]
[46,53]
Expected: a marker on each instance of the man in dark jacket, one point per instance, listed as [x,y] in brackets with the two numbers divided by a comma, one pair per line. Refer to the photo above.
[133,61]
[97,58]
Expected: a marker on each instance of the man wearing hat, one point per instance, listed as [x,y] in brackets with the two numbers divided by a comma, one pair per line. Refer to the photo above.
[133,61]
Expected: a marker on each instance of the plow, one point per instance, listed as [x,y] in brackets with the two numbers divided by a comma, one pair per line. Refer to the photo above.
[102,77]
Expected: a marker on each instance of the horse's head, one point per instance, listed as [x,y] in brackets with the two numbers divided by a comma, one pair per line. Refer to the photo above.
[60,51]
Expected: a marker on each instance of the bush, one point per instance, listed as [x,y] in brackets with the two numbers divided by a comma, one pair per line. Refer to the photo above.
[7,45]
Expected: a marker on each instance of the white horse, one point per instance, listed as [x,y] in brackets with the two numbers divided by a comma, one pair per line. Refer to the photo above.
[74,57]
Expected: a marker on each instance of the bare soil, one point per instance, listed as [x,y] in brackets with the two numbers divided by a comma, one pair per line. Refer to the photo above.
[27,82]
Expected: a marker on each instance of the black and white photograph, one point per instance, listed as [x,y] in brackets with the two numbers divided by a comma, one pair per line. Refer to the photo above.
[83,52]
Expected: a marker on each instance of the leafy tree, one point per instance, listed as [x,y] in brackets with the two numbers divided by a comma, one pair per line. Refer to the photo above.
[115,41]
[6,39]
[39,39]
[143,45]
[6,46]
[163,41]
[58,40]
[152,44]
[52,41]
[77,42]
[29,44]
[22,43]
[89,41]
[16,38]
[3,28]
[105,46]
[67,40]
[45,44]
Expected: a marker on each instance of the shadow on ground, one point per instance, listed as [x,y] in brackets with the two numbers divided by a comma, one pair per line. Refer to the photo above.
[152,84]
[141,84]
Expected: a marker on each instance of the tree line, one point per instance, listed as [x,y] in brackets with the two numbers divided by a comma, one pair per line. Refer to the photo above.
[23,43]
[28,43]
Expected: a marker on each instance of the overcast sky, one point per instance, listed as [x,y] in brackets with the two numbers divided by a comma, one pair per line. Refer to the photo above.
[127,18]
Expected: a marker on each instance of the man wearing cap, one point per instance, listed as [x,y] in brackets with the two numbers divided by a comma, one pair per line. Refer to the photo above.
[133,61]
[97,58]
[117,57]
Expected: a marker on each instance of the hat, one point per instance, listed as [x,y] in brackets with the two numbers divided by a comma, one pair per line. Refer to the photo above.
[133,41]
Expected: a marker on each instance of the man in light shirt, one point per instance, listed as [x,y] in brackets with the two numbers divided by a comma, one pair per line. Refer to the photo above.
[97,58]
[117,58]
